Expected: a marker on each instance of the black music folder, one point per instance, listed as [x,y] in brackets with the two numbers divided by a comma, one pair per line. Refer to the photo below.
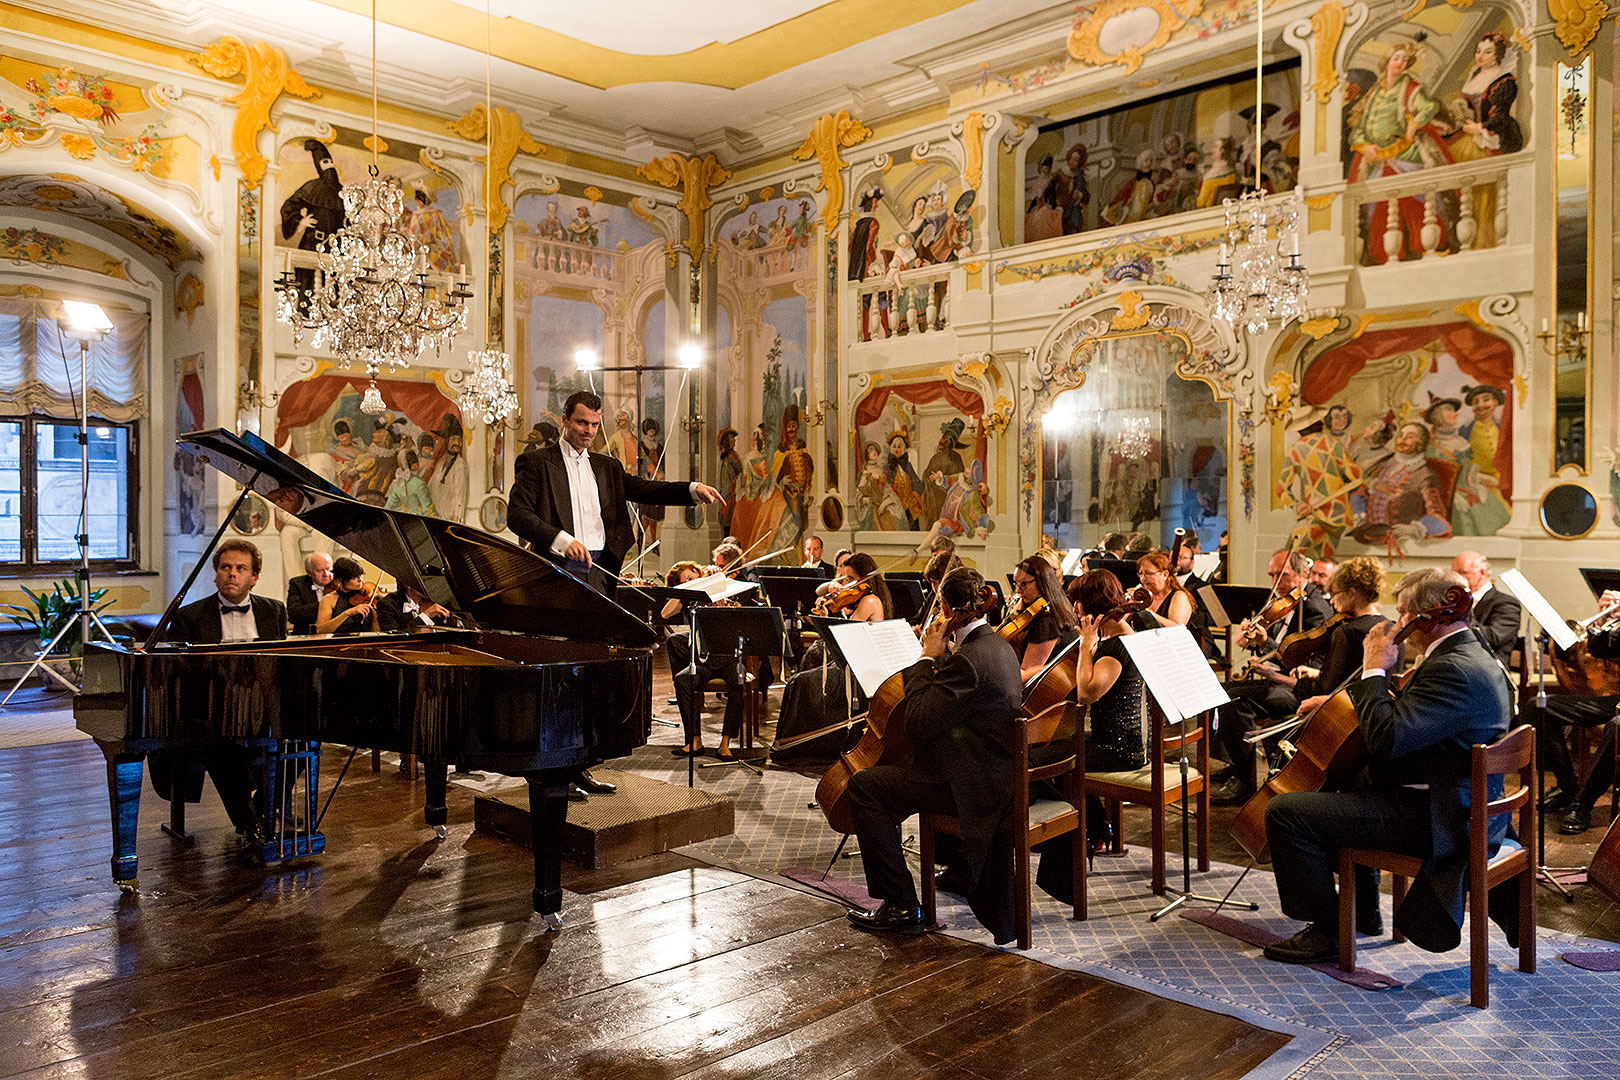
[1600,581]
[1124,569]
[1231,604]
[719,629]
[795,595]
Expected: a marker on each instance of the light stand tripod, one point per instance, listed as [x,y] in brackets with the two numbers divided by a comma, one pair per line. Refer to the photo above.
[86,323]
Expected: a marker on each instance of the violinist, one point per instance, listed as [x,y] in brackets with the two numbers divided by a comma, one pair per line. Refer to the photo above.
[820,694]
[1568,710]
[1049,629]
[1416,801]
[960,712]
[347,609]
[727,555]
[1259,702]
[1353,590]
[691,673]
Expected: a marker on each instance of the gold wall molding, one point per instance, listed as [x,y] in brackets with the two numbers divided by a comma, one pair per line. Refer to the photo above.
[973,126]
[1085,40]
[266,75]
[507,138]
[694,177]
[1327,26]
[1577,21]
[831,133]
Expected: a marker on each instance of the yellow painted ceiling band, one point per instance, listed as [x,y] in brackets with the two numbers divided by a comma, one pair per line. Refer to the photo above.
[822,32]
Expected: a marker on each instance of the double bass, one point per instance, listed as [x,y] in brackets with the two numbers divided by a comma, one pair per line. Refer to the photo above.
[1331,750]
[884,740]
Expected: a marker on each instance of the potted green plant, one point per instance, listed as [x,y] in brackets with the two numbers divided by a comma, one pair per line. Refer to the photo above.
[48,612]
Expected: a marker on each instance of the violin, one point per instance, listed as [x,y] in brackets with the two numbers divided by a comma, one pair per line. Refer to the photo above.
[882,743]
[1057,681]
[1297,648]
[843,599]
[363,595]
[1331,750]
[1012,631]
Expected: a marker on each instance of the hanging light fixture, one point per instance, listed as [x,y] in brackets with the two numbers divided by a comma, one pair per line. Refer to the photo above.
[1254,285]
[369,301]
[488,392]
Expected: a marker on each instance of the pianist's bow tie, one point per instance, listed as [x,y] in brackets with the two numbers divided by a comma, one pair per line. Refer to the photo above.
[226,609]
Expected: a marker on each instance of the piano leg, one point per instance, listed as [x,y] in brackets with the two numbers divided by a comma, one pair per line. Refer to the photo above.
[124,788]
[548,814]
[436,778]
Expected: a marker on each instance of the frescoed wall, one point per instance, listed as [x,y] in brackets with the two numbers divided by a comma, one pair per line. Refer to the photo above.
[922,452]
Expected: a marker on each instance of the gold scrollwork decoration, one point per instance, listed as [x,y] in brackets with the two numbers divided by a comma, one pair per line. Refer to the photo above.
[1085,40]
[1132,315]
[1327,26]
[973,143]
[266,75]
[505,137]
[694,177]
[831,133]
[1576,22]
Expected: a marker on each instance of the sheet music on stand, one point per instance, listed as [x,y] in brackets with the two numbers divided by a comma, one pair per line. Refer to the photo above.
[1539,608]
[876,650]
[1071,561]
[717,586]
[1176,672]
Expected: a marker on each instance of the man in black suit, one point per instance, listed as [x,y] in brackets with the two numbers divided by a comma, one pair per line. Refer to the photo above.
[569,503]
[960,711]
[1571,710]
[1496,615]
[232,613]
[812,556]
[1259,702]
[304,592]
[405,610]
[571,506]
[1416,803]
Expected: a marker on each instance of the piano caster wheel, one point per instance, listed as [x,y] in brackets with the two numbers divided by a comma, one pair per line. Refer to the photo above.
[552,922]
[129,887]
[440,831]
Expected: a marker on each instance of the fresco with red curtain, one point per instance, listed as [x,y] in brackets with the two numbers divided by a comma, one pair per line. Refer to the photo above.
[411,457]
[1403,435]
[922,453]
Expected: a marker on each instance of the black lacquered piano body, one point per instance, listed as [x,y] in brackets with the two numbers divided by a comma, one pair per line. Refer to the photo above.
[572,688]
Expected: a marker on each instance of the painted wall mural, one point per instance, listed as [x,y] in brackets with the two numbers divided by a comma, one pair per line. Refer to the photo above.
[1183,151]
[190,474]
[411,458]
[91,116]
[1393,437]
[910,217]
[1433,88]
[922,451]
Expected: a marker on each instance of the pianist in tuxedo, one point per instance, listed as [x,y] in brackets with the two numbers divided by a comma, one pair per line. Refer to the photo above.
[407,611]
[231,613]
[570,504]
[304,592]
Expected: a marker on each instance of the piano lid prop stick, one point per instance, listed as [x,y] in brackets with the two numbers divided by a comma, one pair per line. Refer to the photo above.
[174,605]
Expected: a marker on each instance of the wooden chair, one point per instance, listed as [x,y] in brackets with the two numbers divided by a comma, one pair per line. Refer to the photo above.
[1041,819]
[1157,785]
[753,688]
[1513,752]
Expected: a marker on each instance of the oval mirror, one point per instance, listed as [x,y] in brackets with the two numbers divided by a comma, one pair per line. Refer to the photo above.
[1569,511]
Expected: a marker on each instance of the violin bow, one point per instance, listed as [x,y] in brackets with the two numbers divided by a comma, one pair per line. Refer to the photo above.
[630,571]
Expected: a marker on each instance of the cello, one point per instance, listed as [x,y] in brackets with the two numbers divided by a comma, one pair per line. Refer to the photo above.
[884,740]
[1330,750]
[1057,680]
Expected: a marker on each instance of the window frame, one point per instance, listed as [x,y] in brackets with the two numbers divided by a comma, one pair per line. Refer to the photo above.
[29,565]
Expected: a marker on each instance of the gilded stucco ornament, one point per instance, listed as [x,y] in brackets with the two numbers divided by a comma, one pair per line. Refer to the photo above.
[693,177]
[1576,21]
[266,75]
[506,139]
[832,132]
[971,129]
[1327,26]
[1085,40]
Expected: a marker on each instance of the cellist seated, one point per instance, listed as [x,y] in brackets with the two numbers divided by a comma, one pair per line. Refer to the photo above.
[1415,801]
[960,711]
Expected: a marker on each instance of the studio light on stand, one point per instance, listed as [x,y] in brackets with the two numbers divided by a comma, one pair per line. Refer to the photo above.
[83,323]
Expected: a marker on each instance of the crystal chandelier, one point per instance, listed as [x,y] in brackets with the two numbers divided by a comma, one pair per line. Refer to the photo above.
[1255,283]
[488,393]
[370,301]
[1134,438]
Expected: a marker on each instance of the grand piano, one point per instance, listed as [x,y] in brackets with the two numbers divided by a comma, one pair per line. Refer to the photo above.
[554,677]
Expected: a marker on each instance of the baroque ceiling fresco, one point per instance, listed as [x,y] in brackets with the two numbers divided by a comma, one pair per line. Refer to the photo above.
[63,193]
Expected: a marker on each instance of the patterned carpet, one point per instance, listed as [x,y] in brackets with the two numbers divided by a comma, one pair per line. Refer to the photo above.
[1558,1022]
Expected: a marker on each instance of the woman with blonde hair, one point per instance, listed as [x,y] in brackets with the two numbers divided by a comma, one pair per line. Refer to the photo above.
[1354,590]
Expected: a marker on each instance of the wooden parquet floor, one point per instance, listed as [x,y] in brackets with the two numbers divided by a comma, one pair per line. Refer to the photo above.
[397,956]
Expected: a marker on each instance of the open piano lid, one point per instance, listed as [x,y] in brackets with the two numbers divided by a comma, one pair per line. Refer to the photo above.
[498,583]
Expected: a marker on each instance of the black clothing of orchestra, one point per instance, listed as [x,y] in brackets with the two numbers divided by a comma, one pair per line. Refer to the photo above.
[1340,659]
[354,624]
[1317,609]
[690,679]
[819,695]
[303,605]
[1415,801]
[1043,628]
[961,719]
[392,616]
[175,773]
[1259,701]
[1496,616]
[540,507]
[1567,710]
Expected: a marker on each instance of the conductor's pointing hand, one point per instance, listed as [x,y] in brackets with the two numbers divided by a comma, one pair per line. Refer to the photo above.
[707,494]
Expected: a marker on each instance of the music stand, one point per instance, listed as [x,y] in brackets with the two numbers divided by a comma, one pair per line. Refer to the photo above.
[747,633]
[1600,581]
[795,594]
[910,601]
[1124,569]
[814,572]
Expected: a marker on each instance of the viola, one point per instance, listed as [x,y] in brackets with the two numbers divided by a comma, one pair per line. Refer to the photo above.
[1298,648]
[843,599]
[883,742]
[1330,749]
[1017,625]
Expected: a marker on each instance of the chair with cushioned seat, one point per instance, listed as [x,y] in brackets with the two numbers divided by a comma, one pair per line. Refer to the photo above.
[1042,818]
[1157,785]
[1513,752]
